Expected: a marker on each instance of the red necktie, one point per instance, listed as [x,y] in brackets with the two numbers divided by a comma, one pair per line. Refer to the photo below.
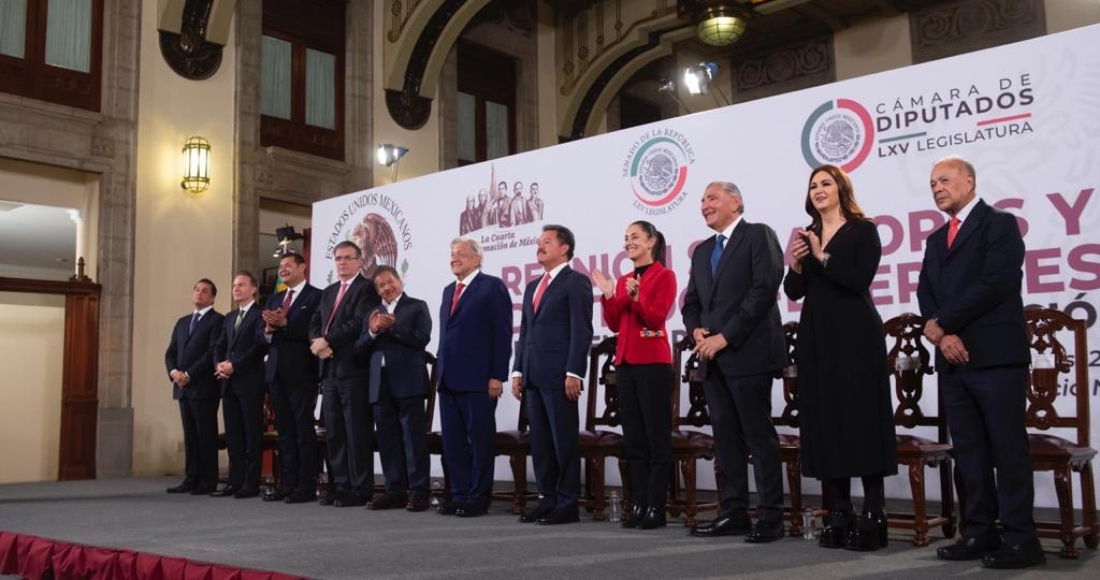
[458,292]
[335,305]
[541,290]
[288,299]
[952,231]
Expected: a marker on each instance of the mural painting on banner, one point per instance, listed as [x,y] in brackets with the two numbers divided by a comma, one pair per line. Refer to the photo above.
[1025,114]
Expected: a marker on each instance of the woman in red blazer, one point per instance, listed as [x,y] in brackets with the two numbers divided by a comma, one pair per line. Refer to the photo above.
[636,307]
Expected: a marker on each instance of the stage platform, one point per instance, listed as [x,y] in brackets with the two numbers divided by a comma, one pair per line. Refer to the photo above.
[325,542]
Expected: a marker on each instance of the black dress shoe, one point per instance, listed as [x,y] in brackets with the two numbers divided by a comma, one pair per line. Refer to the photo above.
[635,517]
[556,518]
[970,548]
[246,493]
[869,533]
[387,501]
[837,526]
[1016,556]
[723,526]
[654,518]
[764,532]
[203,490]
[447,508]
[419,501]
[279,494]
[535,515]
[328,499]
[471,511]
[301,497]
[224,492]
[351,500]
[185,487]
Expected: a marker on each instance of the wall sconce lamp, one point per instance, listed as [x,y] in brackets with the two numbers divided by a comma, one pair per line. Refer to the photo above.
[698,79]
[390,156]
[286,236]
[196,165]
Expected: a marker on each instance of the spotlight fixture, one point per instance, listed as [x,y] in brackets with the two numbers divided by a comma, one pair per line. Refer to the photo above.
[390,156]
[196,165]
[669,87]
[717,22]
[698,79]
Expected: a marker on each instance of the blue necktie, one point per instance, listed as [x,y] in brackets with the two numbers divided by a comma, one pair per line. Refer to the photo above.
[716,254]
[194,323]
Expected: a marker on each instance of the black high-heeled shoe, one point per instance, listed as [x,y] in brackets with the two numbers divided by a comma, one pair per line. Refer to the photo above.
[837,525]
[635,517]
[869,533]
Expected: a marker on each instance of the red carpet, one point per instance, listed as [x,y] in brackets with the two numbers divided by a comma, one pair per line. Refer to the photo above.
[36,558]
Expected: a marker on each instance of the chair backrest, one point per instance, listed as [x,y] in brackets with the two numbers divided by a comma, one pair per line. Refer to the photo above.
[789,374]
[692,371]
[601,371]
[910,361]
[1051,360]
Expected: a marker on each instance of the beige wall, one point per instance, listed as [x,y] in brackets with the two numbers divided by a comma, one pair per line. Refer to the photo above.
[179,237]
[423,144]
[30,418]
[873,46]
[1069,14]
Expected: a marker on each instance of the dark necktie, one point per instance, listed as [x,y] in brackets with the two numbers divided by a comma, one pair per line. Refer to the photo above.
[336,304]
[716,253]
[288,299]
[194,322]
[240,317]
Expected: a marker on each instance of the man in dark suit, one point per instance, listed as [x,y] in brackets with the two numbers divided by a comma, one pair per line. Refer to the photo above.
[190,364]
[393,340]
[969,290]
[334,330]
[730,310]
[239,365]
[291,374]
[475,343]
[551,359]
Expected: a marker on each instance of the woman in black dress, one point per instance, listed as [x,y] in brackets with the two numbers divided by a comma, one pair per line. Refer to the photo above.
[845,409]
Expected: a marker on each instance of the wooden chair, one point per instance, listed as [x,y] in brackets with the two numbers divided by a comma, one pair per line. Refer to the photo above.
[597,445]
[790,445]
[910,362]
[516,444]
[1049,452]
[689,445]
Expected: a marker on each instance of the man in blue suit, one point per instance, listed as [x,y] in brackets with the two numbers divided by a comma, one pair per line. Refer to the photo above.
[475,343]
[348,426]
[551,359]
[239,365]
[291,373]
[393,340]
[969,290]
[731,312]
[190,364]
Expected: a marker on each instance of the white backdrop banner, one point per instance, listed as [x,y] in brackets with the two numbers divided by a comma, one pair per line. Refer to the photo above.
[1027,115]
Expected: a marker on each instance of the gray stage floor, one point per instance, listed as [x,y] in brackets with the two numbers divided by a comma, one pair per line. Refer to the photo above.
[326,542]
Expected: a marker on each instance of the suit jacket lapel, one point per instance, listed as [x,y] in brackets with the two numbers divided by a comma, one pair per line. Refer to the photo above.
[462,299]
[551,287]
[735,238]
[967,228]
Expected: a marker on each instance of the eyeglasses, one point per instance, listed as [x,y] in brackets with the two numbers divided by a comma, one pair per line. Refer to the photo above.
[345,258]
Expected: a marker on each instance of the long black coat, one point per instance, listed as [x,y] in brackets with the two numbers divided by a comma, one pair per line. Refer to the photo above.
[845,408]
